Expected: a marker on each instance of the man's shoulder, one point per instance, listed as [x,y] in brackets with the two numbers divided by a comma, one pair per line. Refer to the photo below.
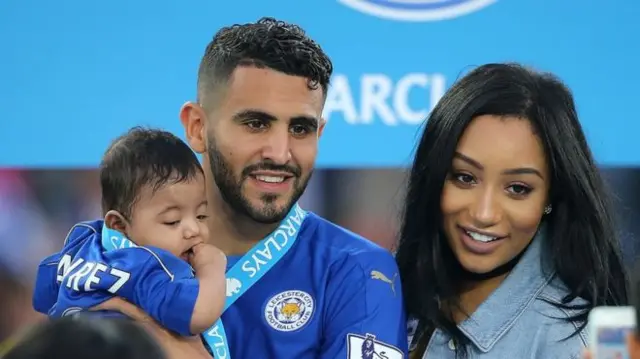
[347,246]
[336,236]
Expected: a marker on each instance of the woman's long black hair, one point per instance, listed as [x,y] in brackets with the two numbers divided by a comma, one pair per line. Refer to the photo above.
[582,240]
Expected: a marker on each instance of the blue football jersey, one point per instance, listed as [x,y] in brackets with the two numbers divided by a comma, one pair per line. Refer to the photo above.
[84,275]
[333,295]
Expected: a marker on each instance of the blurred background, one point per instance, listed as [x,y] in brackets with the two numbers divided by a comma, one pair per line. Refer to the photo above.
[75,74]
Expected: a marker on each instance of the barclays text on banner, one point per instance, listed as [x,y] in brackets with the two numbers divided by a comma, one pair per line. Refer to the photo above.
[377,97]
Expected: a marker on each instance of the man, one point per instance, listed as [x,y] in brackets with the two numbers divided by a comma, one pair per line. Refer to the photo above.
[298,286]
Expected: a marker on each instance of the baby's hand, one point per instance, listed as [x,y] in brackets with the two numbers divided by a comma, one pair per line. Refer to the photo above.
[210,264]
[205,255]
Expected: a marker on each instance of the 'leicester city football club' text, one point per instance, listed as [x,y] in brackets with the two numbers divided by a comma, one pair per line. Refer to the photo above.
[289,310]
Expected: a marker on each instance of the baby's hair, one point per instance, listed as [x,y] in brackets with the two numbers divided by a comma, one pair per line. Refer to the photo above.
[143,157]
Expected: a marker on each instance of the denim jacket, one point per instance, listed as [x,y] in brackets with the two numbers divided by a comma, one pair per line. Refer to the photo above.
[518,321]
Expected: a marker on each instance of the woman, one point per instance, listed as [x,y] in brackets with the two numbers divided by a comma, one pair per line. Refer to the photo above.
[508,238]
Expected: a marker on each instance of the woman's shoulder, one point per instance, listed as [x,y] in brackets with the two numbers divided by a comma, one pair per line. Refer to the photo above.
[544,331]
[552,306]
[546,327]
[558,333]
[558,338]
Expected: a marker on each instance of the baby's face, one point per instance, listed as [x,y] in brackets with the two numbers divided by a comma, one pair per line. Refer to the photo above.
[173,218]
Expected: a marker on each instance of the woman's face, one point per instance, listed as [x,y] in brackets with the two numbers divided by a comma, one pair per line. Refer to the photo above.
[494,196]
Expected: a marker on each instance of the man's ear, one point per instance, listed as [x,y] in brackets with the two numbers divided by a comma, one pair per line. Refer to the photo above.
[321,125]
[193,119]
[116,221]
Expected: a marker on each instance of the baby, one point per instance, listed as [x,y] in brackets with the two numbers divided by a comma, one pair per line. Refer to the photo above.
[153,237]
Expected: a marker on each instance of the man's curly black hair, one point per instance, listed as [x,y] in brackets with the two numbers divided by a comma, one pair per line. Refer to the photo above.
[267,43]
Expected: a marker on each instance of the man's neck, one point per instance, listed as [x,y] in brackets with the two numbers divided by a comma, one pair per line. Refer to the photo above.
[233,233]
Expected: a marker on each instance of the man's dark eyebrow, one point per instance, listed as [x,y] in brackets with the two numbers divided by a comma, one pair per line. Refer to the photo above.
[267,117]
[254,114]
[306,120]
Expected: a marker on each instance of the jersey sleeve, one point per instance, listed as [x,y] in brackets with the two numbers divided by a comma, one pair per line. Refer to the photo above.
[45,291]
[160,284]
[48,276]
[365,312]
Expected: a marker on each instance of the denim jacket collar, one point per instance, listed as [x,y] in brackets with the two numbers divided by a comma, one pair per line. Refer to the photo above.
[499,312]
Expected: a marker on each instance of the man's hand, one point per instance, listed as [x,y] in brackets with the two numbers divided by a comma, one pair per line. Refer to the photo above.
[175,347]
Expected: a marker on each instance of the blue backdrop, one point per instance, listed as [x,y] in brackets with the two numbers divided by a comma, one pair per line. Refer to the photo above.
[75,73]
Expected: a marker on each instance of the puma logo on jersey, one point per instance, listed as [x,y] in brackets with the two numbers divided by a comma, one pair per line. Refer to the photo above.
[380,276]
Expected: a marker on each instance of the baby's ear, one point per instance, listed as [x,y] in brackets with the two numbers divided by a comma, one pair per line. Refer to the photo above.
[115,220]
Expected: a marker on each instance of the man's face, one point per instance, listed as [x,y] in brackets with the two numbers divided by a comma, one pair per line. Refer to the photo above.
[262,141]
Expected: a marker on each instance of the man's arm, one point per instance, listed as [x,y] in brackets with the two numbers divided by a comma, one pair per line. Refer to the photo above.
[176,347]
[365,314]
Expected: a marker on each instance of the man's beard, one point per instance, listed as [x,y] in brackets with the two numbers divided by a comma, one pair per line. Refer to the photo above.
[231,187]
